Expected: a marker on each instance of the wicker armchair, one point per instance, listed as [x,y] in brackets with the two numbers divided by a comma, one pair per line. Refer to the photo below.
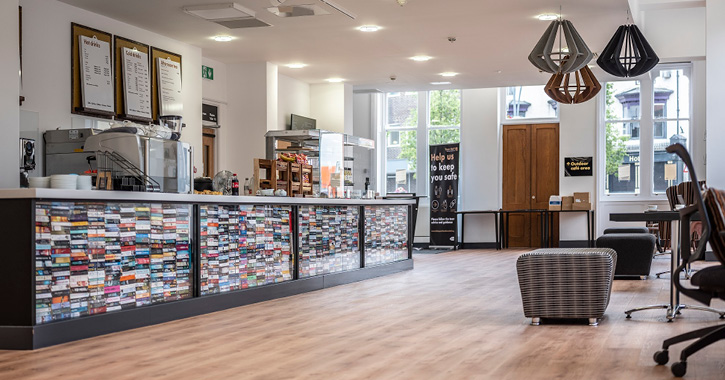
[566,283]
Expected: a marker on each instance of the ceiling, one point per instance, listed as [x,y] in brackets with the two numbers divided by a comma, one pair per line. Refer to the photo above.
[493,37]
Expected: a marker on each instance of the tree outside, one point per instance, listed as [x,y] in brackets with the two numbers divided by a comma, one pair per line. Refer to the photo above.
[614,146]
[445,110]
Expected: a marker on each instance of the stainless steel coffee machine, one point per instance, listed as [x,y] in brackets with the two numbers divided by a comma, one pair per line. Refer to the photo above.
[128,161]
[27,159]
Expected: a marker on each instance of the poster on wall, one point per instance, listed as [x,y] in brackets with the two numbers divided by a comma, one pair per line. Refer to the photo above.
[444,194]
[578,166]
[96,74]
[136,83]
[169,87]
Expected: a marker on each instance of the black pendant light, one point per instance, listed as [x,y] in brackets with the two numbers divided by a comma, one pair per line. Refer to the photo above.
[628,54]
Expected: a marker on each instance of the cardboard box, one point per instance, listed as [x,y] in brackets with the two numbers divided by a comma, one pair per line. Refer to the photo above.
[567,202]
[581,202]
[554,203]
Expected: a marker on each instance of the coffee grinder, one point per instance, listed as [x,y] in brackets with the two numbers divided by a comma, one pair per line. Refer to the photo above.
[27,160]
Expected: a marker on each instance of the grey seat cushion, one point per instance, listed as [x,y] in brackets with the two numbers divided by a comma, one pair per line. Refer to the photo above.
[634,252]
[711,279]
[626,230]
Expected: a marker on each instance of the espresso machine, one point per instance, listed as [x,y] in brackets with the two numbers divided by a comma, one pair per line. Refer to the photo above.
[27,160]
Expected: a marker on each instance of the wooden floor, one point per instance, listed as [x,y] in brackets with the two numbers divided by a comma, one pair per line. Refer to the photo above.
[457,315]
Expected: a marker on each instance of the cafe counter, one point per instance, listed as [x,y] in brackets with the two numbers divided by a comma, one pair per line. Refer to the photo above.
[78,264]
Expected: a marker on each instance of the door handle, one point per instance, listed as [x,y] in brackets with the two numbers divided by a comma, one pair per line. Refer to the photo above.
[533,197]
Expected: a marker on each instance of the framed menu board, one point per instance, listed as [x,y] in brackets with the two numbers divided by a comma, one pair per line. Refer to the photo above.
[165,70]
[91,72]
[133,80]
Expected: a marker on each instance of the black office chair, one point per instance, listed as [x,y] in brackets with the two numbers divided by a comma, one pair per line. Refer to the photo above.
[711,280]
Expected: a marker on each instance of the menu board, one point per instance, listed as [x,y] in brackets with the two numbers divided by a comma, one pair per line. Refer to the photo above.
[136,83]
[169,87]
[96,74]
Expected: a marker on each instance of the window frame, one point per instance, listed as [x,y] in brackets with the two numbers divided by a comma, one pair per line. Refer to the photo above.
[503,110]
[422,140]
[645,170]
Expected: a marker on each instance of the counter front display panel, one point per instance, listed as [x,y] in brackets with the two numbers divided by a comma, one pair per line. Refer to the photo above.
[93,258]
[79,263]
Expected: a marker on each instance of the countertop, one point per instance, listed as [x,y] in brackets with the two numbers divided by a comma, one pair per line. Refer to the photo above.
[106,195]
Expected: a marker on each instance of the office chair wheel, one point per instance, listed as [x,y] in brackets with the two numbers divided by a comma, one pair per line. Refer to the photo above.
[629,316]
[722,316]
[679,369]
[662,357]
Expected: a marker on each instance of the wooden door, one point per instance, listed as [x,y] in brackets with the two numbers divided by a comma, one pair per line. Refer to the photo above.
[517,182]
[544,175]
[208,151]
[530,176]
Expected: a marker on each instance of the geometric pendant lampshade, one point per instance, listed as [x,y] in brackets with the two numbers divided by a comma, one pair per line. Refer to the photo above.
[572,52]
[628,54]
[585,87]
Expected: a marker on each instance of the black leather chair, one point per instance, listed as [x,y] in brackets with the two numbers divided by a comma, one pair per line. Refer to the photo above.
[710,281]
[626,230]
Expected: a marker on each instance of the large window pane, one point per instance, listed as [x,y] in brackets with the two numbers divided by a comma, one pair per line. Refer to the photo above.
[529,102]
[402,109]
[622,158]
[444,136]
[672,95]
[669,170]
[623,100]
[445,108]
[400,163]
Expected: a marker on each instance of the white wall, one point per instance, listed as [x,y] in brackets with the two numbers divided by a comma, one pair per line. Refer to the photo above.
[363,126]
[577,138]
[293,98]
[47,60]
[332,106]
[715,95]
[9,110]
[675,33]
[248,116]
[479,185]
[214,92]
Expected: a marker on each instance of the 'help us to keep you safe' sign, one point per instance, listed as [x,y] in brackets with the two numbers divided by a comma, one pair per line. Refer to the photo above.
[443,194]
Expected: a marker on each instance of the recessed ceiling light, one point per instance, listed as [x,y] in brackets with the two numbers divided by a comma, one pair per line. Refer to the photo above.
[222,38]
[547,16]
[335,80]
[296,65]
[421,58]
[439,83]
[448,74]
[368,28]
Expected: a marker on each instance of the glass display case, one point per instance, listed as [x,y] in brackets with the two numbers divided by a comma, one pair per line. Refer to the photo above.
[328,239]
[386,234]
[244,246]
[93,258]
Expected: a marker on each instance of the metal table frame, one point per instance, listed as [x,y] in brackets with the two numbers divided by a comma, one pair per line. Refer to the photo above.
[590,226]
[496,217]
[674,306]
[505,224]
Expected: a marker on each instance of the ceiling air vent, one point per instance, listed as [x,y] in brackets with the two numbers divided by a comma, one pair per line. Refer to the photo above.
[298,10]
[230,15]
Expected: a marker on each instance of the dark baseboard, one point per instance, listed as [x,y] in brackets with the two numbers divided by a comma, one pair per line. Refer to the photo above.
[32,337]
[421,245]
[573,244]
[490,245]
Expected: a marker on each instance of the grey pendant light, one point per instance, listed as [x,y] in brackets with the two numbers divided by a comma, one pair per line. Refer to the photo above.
[546,59]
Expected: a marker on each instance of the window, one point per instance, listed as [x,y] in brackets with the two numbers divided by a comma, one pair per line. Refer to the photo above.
[672,124]
[401,134]
[413,121]
[529,102]
[629,117]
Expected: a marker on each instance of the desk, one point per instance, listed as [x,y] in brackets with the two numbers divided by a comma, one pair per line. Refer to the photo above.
[505,224]
[495,214]
[674,306]
[590,226]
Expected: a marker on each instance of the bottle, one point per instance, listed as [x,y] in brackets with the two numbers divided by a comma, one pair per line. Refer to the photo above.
[235,185]
[247,186]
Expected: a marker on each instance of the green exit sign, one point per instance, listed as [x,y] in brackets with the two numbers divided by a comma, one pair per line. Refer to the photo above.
[207,72]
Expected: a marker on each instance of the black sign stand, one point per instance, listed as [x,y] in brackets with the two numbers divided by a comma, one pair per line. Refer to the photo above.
[444,195]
